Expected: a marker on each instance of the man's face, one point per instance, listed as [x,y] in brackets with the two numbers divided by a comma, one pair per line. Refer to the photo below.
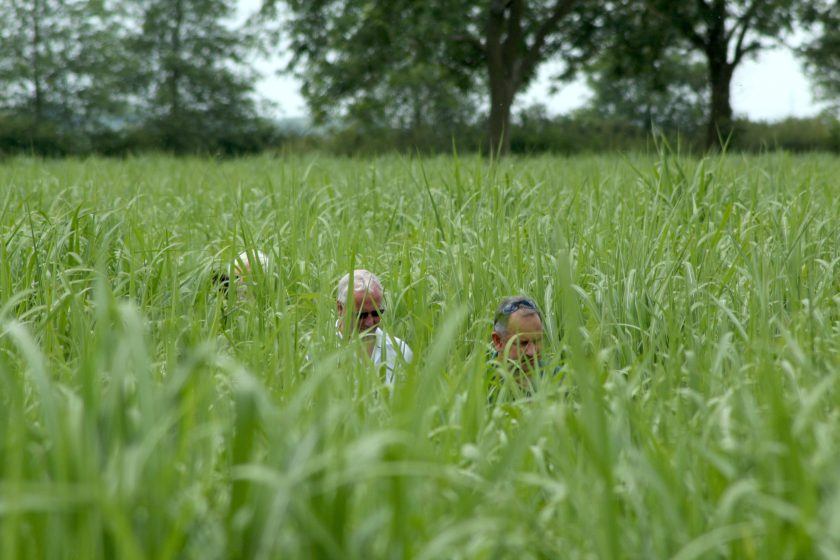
[523,342]
[364,315]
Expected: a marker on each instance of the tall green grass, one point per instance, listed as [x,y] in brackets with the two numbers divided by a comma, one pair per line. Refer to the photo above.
[694,306]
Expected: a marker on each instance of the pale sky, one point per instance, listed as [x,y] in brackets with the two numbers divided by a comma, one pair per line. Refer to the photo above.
[771,87]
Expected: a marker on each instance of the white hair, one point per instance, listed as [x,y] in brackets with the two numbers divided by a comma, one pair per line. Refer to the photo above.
[363,281]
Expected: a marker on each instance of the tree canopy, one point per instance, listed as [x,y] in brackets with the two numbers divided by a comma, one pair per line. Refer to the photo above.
[164,74]
[193,80]
[822,51]
[671,97]
[724,32]
[55,63]
[114,76]
[405,61]
[645,37]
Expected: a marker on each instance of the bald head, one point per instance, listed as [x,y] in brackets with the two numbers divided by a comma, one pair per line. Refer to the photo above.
[521,305]
[518,331]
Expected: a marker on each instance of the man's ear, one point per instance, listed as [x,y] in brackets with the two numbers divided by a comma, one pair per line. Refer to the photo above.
[339,307]
[498,343]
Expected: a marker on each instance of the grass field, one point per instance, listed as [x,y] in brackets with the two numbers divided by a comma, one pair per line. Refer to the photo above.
[694,305]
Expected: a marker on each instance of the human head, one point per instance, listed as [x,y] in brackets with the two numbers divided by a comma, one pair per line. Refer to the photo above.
[359,310]
[239,272]
[518,331]
[243,265]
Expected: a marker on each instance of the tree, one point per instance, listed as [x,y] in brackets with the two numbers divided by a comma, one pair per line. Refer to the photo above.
[725,33]
[57,62]
[822,52]
[194,83]
[381,58]
[671,97]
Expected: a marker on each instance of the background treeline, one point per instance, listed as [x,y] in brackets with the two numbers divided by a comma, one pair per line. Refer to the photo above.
[81,76]
[116,77]
[534,131]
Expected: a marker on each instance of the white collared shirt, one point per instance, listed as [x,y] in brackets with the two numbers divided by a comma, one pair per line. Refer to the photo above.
[388,351]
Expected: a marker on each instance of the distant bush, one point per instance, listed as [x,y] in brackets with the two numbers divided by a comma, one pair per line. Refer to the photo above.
[572,135]
[22,135]
[535,132]
[192,134]
[532,131]
[821,133]
[381,140]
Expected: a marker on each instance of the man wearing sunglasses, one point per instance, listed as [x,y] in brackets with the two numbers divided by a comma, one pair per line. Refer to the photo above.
[517,340]
[359,313]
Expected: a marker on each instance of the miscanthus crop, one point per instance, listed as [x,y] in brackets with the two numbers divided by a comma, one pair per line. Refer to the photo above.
[148,411]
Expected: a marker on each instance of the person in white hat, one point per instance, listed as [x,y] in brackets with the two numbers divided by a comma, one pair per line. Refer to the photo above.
[243,265]
[243,270]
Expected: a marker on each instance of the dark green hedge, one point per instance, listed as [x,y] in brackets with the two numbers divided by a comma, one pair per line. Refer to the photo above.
[529,134]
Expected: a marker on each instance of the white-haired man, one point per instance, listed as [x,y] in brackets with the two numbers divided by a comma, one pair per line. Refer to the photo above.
[360,311]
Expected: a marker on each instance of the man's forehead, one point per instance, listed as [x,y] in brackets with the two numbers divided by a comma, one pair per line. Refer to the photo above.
[522,322]
[371,294]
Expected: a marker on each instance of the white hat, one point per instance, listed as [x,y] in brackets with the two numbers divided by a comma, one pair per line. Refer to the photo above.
[242,266]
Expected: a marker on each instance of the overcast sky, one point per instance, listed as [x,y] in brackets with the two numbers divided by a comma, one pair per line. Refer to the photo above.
[770,88]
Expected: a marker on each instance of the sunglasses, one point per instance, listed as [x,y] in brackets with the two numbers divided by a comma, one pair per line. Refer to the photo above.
[518,304]
[376,314]
[515,305]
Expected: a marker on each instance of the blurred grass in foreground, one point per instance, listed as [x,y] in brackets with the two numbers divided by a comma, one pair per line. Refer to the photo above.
[695,305]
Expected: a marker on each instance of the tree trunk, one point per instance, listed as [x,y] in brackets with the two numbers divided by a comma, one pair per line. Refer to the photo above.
[720,77]
[720,114]
[175,61]
[502,45]
[37,79]
[501,99]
